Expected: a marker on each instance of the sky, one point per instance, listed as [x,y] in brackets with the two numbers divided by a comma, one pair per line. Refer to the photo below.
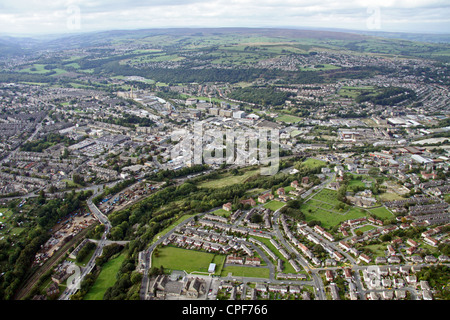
[34,17]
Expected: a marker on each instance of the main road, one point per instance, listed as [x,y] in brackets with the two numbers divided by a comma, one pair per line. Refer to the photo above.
[73,287]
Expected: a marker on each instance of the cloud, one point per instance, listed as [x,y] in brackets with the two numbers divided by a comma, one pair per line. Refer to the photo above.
[32,16]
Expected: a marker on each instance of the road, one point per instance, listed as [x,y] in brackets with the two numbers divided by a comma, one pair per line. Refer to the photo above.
[316,280]
[148,255]
[73,288]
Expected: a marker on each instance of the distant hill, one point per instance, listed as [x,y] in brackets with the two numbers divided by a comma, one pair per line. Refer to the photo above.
[394,44]
[421,37]
[10,47]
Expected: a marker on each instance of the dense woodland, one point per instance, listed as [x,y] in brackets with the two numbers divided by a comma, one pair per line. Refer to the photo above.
[17,259]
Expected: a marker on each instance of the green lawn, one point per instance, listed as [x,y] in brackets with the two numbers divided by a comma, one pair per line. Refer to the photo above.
[106,279]
[228,179]
[381,212]
[274,205]
[353,92]
[288,118]
[172,258]
[40,69]
[322,207]
[287,266]
[222,213]
[390,196]
[365,228]
[324,67]
[238,271]
[314,163]
[36,68]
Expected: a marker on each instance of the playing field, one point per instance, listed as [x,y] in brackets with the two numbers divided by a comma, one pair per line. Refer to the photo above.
[288,118]
[238,271]
[172,258]
[322,207]
[381,212]
[274,205]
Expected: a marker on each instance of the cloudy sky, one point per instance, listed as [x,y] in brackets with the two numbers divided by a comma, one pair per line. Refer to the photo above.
[69,16]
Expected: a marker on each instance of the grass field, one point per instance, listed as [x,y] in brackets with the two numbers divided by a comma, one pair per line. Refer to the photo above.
[221,213]
[228,179]
[353,92]
[286,118]
[40,69]
[365,228]
[238,271]
[390,196]
[172,258]
[381,212]
[106,279]
[274,205]
[325,67]
[314,163]
[287,266]
[322,207]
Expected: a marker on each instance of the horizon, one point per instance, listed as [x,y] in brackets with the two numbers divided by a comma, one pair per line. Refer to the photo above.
[299,28]
[28,18]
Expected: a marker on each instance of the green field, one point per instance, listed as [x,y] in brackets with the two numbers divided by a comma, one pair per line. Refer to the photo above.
[322,207]
[274,205]
[390,196]
[106,279]
[238,271]
[228,179]
[313,163]
[353,92]
[365,228]
[322,67]
[288,118]
[172,258]
[156,56]
[36,68]
[40,69]
[381,212]
[287,266]
[359,182]
[221,213]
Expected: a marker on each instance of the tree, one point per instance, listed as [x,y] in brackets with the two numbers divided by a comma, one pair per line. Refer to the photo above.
[77,179]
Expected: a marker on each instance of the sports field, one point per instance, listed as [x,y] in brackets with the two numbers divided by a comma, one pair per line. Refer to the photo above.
[172,258]
[274,205]
[322,207]
[288,118]
[238,271]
